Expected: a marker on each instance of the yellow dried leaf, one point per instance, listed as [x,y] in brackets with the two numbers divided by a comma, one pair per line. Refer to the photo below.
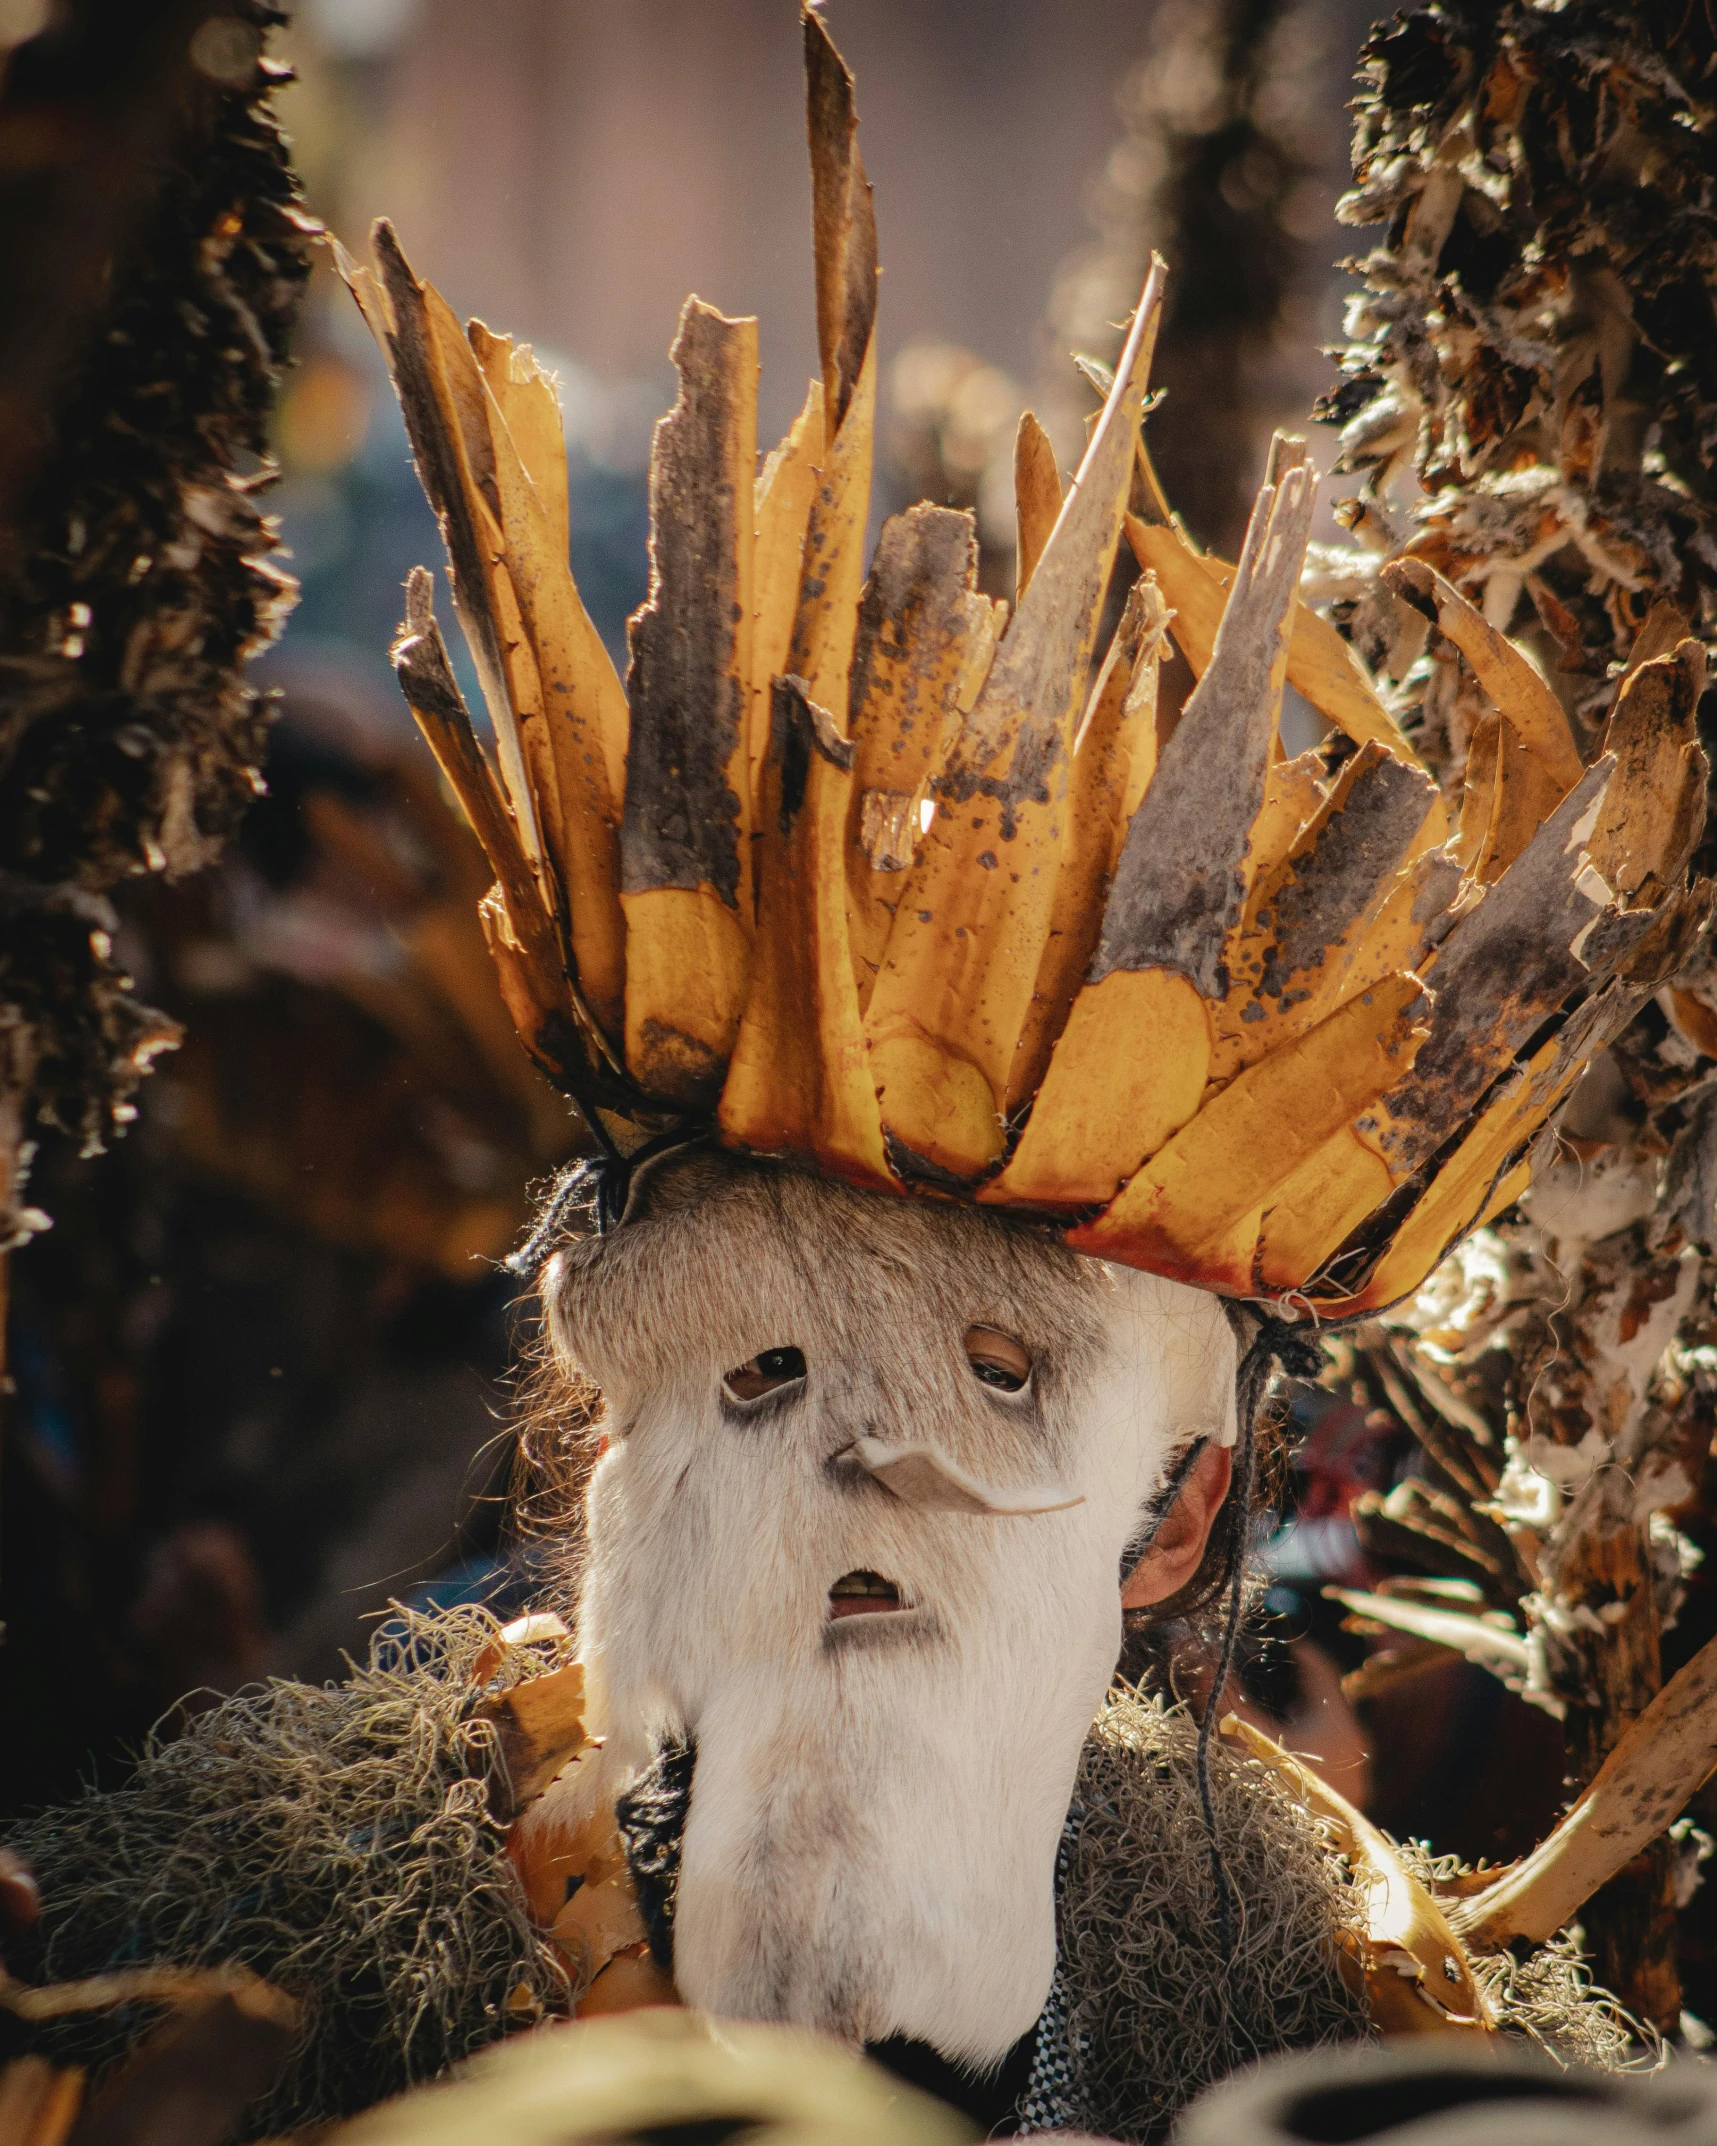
[1126,1074]
[1037,497]
[1246,1141]
[800,1083]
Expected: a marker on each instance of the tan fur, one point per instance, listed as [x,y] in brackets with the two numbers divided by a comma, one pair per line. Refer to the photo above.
[877,1802]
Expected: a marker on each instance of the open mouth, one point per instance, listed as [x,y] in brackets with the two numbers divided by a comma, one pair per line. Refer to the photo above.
[863,1594]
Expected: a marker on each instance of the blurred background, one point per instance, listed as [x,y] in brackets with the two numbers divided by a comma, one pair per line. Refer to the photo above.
[261,1360]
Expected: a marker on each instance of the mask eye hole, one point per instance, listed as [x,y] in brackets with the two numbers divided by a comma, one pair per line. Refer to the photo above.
[997,1358]
[767,1372]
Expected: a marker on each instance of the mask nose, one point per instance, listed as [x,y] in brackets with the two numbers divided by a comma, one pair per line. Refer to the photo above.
[925,1477]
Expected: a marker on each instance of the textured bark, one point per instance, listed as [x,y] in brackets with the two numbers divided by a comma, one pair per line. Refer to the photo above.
[684,824]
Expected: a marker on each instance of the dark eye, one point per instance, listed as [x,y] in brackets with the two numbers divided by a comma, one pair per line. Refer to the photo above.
[997,1358]
[766,1372]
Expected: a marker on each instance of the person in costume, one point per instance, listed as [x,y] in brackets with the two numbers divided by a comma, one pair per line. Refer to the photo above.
[992,1078]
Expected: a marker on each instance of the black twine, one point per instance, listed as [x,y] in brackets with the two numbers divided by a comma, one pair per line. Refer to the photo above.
[599,1187]
[1276,1344]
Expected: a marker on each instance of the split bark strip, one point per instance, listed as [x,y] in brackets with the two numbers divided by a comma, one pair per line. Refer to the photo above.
[1130,1067]
[1315,914]
[963,957]
[1659,1764]
[786,486]
[1486,1169]
[1321,665]
[914,625]
[844,245]
[443,450]
[685,846]
[531,411]
[843,222]
[574,726]
[1181,883]
[542,1000]
[539,1726]
[1505,969]
[800,1080]
[1528,705]
[1037,498]
[1602,1553]
[1114,759]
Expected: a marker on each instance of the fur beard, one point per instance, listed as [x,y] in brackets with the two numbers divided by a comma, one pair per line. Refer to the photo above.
[871,1845]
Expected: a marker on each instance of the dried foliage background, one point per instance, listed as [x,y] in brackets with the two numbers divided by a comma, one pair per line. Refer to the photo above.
[1528,401]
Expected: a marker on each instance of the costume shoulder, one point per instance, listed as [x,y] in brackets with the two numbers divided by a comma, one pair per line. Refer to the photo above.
[342,1842]
[1147,2012]
[1153,2013]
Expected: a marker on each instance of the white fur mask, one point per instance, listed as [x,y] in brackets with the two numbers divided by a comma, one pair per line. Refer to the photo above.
[878,1798]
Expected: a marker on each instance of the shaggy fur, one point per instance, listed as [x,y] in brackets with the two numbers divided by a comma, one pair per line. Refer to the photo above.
[1155,2017]
[1549,1997]
[878,1801]
[336,1840]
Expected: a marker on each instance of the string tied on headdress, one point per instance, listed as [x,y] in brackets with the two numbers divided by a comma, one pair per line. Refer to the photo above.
[591,1197]
[1268,1345]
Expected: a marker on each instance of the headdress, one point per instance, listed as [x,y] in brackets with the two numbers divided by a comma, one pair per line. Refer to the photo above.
[867,872]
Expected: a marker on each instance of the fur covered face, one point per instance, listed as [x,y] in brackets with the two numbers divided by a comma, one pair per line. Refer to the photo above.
[832,1542]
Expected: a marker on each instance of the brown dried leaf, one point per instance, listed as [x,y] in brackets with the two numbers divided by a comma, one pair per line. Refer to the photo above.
[1521,696]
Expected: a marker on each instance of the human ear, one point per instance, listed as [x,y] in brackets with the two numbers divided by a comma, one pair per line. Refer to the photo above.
[1182,1533]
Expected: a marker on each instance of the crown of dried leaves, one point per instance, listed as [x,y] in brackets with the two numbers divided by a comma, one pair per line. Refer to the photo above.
[865,872]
